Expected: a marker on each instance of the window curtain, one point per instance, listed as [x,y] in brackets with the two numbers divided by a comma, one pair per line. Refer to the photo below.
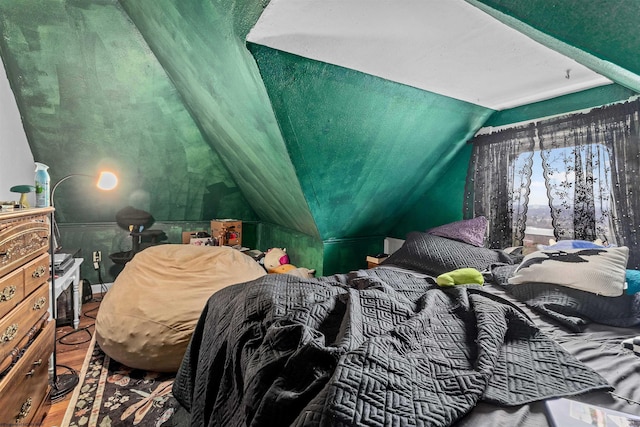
[498,183]
[584,204]
[576,168]
[591,166]
[623,136]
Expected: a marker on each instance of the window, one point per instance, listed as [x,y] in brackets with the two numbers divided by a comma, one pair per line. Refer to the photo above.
[578,181]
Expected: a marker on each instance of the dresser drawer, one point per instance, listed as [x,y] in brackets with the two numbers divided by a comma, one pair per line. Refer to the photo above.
[11,291]
[36,273]
[23,390]
[21,240]
[15,325]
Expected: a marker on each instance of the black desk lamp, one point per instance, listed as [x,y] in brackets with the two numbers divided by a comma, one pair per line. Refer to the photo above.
[61,385]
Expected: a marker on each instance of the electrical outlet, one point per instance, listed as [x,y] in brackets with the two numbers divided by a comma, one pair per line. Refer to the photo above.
[97,256]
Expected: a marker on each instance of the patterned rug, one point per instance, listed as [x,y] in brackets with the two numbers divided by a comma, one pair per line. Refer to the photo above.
[111,394]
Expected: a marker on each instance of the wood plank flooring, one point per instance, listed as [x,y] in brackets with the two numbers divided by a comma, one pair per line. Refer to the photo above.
[71,351]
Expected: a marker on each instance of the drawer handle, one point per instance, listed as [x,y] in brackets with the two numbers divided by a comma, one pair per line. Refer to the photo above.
[37,362]
[24,410]
[8,293]
[39,272]
[30,373]
[10,333]
[40,303]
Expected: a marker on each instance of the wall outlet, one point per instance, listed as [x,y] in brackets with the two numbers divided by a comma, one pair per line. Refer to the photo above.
[97,256]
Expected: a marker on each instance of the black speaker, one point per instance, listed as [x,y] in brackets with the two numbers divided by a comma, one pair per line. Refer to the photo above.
[64,308]
[87,293]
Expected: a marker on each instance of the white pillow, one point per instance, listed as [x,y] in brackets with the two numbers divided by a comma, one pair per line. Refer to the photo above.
[601,271]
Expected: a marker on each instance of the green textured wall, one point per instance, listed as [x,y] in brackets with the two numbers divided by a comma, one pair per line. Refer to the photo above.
[364,148]
[200,44]
[91,93]
[304,250]
[442,203]
[344,255]
[563,104]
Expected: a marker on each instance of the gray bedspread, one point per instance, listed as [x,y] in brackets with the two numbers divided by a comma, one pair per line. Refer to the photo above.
[376,347]
[572,308]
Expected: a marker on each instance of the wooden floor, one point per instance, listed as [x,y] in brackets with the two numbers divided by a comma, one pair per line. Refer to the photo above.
[72,355]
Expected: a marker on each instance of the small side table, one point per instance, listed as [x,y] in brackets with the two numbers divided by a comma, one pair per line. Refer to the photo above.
[70,277]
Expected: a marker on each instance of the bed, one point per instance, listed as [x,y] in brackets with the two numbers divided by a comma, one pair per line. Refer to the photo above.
[389,347]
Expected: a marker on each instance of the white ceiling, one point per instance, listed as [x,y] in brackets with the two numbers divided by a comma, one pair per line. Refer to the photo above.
[444,46]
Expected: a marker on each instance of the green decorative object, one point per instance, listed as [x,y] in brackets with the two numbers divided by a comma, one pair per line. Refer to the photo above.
[23,190]
[461,276]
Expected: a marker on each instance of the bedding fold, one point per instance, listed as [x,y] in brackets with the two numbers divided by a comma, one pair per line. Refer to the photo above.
[370,348]
[572,308]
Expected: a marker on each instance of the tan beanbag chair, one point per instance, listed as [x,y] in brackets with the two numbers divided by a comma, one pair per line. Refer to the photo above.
[146,319]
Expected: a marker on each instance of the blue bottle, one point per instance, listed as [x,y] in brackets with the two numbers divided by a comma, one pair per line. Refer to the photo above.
[42,185]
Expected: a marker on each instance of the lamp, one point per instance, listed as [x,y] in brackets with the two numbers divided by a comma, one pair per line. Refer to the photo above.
[61,385]
[105,180]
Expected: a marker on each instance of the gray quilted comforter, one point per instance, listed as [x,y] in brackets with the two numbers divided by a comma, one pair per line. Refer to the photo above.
[377,347]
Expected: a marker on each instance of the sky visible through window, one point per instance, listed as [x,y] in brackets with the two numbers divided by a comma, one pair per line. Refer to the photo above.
[539,225]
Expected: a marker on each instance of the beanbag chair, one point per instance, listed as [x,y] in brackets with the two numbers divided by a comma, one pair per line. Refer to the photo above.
[147,318]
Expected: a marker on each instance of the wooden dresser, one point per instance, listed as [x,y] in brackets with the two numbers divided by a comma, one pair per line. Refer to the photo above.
[26,333]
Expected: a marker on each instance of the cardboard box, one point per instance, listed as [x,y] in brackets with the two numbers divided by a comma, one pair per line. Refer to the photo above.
[373,261]
[227,231]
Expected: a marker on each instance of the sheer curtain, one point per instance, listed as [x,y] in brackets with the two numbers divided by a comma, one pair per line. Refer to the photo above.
[622,134]
[576,169]
[498,183]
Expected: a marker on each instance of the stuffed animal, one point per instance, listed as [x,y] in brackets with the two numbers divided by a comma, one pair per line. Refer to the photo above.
[275,257]
[276,260]
[461,276]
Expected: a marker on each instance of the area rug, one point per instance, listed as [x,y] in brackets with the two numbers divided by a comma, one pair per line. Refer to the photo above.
[111,394]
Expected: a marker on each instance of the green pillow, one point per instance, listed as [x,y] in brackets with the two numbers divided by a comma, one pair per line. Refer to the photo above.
[461,276]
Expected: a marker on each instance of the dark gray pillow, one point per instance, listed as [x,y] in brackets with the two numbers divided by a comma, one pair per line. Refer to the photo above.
[435,255]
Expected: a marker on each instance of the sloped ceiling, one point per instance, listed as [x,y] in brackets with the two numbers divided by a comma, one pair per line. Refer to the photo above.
[451,48]
[602,34]
[310,143]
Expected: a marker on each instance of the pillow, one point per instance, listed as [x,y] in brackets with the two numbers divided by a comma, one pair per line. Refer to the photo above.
[570,244]
[435,255]
[600,270]
[572,308]
[633,282]
[471,231]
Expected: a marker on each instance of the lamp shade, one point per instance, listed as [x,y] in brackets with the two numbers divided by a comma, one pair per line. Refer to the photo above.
[107,180]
